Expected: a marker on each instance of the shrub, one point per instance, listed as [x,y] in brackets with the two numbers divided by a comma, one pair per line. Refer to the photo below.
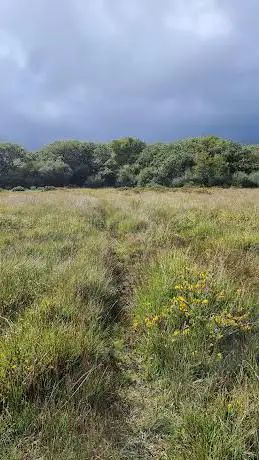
[49,188]
[254,178]
[196,316]
[19,188]
[241,179]
[146,176]
[181,181]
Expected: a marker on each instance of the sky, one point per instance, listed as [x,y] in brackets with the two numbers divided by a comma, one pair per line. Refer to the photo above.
[98,70]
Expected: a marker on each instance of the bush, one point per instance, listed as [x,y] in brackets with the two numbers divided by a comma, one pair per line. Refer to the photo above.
[254,178]
[126,176]
[146,176]
[181,181]
[241,179]
[19,188]
[49,188]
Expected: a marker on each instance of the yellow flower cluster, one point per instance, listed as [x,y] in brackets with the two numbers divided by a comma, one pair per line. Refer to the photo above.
[184,313]
[194,294]
[198,286]
[135,324]
[180,302]
[185,331]
[150,321]
[231,320]
[188,294]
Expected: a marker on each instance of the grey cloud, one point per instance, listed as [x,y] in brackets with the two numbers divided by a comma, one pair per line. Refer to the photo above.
[108,68]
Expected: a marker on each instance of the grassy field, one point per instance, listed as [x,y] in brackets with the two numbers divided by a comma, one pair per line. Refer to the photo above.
[129,325]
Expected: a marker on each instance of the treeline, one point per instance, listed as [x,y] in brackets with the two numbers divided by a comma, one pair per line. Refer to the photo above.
[205,161]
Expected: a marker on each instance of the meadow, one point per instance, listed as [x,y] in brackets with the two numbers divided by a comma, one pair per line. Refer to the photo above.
[129,324]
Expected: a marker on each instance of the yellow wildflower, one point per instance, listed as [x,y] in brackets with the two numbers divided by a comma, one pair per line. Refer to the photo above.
[239,292]
[148,322]
[181,298]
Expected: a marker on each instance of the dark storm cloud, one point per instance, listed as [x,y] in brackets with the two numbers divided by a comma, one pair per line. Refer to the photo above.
[108,68]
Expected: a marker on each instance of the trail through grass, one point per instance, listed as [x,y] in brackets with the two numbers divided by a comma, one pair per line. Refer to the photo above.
[129,324]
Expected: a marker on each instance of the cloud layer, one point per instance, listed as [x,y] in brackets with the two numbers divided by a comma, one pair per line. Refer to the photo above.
[159,70]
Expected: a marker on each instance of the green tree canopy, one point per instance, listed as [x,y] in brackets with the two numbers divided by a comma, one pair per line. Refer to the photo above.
[79,156]
[12,158]
[127,150]
[129,161]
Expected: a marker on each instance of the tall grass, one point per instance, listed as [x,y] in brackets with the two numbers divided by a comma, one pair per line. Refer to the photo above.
[129,324]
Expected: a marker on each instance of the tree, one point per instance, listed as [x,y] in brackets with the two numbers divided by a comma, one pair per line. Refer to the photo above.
[206,160]
[104,166]
[12,158]
[174,166]
[55,173]
[127,150]
[126,176]
[102,154]
[153,155]
[146,176]
[47,170]
[79,156]
[167,161]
